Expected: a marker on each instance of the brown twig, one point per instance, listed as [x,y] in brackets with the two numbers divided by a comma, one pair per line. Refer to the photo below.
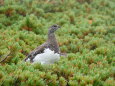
[5,58]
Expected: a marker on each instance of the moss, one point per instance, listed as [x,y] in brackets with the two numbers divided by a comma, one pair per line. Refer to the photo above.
[86,35]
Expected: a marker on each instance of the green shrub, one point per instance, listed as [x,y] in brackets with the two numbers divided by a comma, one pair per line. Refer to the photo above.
[87,35]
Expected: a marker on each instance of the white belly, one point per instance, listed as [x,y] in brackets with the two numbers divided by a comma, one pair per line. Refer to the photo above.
[48,57]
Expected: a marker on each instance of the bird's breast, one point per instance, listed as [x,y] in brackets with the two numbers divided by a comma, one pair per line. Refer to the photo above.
[47,57]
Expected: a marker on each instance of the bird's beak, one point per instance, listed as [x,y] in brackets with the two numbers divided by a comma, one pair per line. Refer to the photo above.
[59,26]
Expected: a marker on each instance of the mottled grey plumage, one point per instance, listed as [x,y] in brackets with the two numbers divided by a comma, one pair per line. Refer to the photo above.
[51,43]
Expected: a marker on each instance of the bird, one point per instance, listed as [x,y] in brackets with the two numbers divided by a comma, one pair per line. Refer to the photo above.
[48,52]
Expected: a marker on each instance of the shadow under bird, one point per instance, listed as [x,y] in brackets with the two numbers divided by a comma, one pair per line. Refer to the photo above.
[48,52]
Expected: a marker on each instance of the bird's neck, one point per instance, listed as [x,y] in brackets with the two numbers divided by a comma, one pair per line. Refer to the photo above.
[51,37]
[53,42]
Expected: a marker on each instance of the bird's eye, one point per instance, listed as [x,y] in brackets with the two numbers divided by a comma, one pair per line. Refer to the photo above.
[54,26]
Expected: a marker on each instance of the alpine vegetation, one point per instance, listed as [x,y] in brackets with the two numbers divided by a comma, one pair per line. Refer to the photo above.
[31,39]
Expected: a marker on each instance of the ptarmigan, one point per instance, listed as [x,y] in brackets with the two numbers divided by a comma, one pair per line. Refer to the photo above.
[47,53]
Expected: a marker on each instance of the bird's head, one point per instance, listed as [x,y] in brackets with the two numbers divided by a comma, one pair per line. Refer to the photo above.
[53,28]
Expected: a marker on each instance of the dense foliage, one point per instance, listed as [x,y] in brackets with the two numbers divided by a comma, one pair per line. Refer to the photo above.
[87,35]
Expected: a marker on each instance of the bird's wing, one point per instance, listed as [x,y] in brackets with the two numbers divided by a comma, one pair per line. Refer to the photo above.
[36,51]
